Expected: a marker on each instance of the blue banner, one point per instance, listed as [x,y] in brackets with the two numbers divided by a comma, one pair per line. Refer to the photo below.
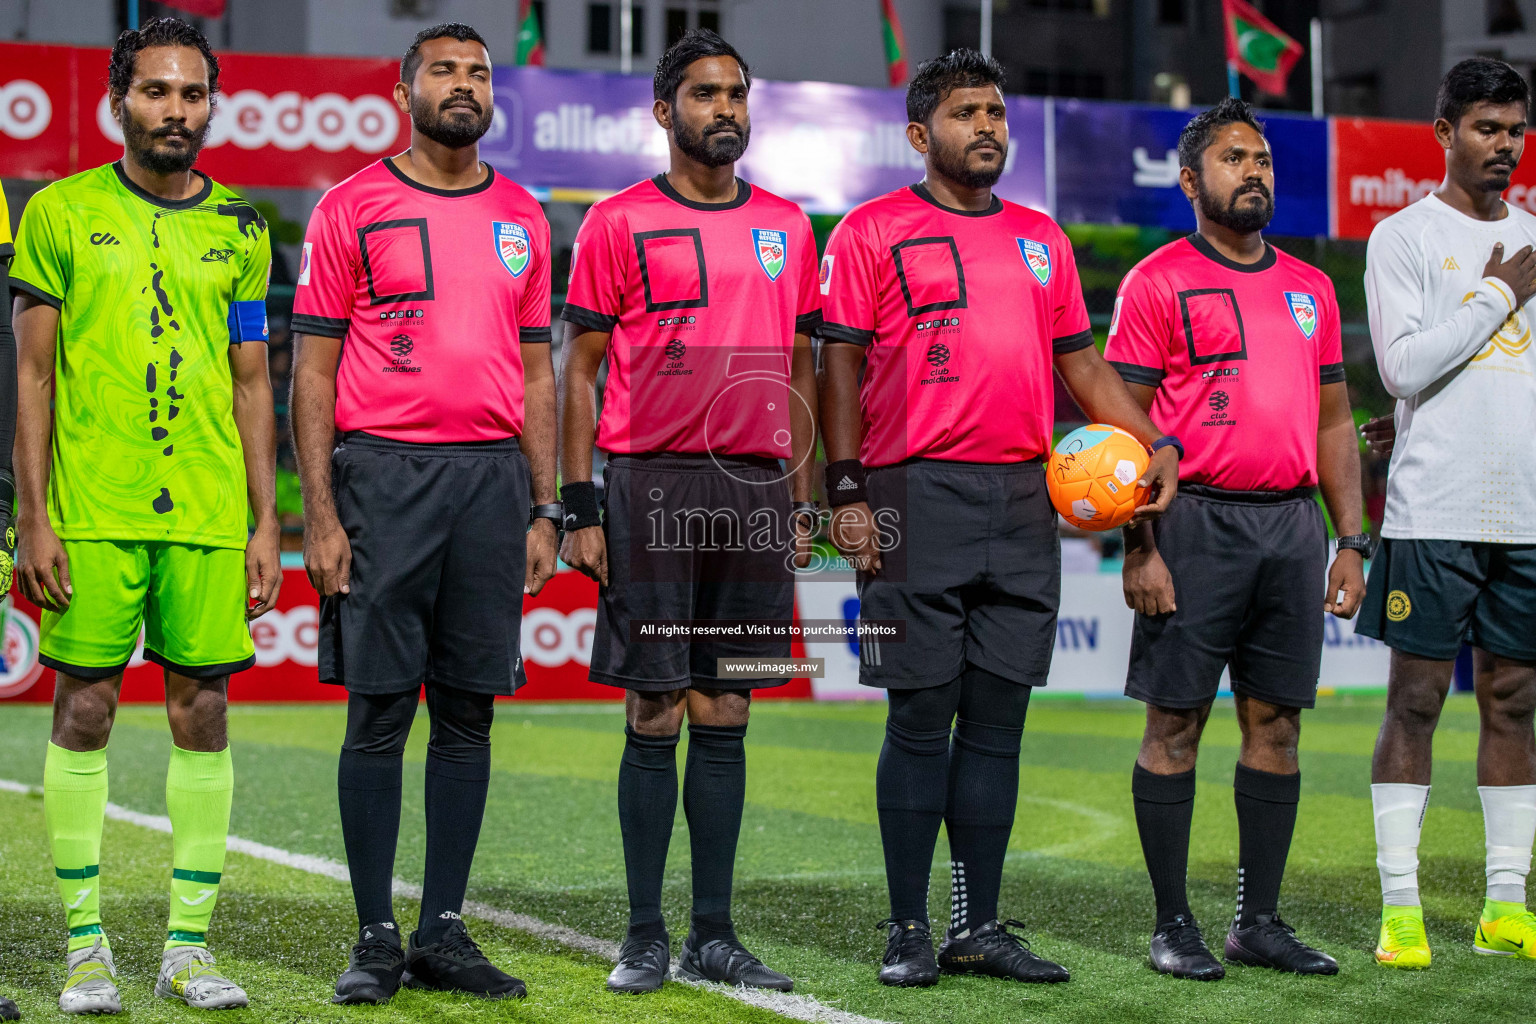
[1118,164]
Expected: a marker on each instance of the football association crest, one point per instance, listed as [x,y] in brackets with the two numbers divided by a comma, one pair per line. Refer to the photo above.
[1037,257]
[512,246]
[772,248]
[1303,309]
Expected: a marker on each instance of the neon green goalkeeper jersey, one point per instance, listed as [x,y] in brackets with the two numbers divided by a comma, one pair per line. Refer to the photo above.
[151,294]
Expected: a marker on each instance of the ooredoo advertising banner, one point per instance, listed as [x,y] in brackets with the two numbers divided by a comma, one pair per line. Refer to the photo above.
[1119,164]
[556,648]
[282,122]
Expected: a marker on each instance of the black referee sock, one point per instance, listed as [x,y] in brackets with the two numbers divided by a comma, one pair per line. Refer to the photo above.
[983,793]
[714,789]
[647,806]
[368,789]
[458,776]
[1165,804]
[1266,820]
[910,785]
[455,809]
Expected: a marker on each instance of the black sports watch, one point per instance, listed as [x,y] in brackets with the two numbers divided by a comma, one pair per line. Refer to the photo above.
[1169,441]
[1360,542]
[554,512]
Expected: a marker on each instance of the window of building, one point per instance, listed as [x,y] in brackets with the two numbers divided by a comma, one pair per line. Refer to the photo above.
[1171,12]
[682,15]
[1069,83]
[600,28]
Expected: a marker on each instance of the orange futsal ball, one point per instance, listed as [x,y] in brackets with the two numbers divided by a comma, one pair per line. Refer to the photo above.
[1092,474]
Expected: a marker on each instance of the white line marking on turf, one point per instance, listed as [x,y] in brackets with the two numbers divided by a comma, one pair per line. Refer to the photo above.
[785,1004]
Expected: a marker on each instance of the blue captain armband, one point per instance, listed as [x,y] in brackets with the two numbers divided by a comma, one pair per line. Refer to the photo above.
[247,321]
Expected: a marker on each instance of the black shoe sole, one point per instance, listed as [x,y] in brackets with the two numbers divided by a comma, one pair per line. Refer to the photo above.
[924,982]
[409,980]
[1258,961]
[1219,974]
[362,998]
[682,973]
[1004,977]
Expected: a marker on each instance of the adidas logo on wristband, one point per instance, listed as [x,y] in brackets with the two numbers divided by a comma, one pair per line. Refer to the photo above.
[847,484]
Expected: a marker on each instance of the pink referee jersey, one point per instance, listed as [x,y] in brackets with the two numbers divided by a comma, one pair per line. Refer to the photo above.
[961,312]
[432,291]
[1237,353]
[702,302]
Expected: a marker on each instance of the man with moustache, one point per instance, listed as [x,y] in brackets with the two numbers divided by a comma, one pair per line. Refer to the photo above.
[1236,347]
[145,430]
[946,311]
[423,416]
[700,291]
[1448,280]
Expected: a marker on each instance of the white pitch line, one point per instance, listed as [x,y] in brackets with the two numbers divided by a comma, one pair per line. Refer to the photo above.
[785,1004]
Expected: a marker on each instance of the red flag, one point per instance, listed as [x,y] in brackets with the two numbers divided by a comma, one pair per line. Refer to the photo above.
[1257,47]
[201,8]
[895,43]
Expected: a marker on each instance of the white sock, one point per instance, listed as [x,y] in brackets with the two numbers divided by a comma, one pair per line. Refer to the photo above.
[1509,822]
[1399,808]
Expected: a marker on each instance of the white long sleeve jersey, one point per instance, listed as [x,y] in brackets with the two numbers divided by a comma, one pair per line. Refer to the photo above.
[1456,353]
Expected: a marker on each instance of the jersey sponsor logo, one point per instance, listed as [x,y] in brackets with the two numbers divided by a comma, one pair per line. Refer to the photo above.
[1303,307]
[290,121]
[772,248]
[512,246]
[305,262]
[1037,257]
[25,109]
[1398,606]
[218,255]
[1513,338]
[824,276]
[1219,401]
[104,238]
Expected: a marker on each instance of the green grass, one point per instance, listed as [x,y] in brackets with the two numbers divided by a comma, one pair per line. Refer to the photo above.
[810,883]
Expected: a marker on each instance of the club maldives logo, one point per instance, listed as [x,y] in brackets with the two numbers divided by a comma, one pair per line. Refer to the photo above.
[1037,257]
[1303,309]
[512,246]
[771,248]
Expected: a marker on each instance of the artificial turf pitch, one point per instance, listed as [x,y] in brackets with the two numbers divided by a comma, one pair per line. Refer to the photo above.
[810,881]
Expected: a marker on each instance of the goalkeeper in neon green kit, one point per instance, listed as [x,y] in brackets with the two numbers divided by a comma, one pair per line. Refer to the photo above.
[140,309]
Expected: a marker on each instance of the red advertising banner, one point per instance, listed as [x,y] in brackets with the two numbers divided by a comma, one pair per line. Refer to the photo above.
[1379,167]
[283,121]
[556,642]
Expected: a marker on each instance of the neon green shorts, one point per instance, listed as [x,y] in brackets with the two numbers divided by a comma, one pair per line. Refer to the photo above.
[189,599]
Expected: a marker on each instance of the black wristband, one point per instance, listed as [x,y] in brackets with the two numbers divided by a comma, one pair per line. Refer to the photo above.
[550,511]
[580,505]
[845,482]
[1169,441]
[1360,542]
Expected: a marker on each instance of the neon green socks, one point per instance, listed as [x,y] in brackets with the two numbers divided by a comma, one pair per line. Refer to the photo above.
[199,788]
[74,806]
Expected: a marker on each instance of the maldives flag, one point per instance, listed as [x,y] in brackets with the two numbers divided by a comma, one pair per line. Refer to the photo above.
[530,38]
[201,8]
[1258,48]
[895,43]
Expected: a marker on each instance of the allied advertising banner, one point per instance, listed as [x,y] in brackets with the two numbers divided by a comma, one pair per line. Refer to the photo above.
[1119,164]
[827,147]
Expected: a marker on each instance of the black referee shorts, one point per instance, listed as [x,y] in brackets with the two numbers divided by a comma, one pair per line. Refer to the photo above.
[691,536]
[973,570]
[1426,597]
[439,546]
[1248,573]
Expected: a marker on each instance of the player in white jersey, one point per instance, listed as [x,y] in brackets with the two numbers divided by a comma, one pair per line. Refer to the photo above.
[1447,281]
